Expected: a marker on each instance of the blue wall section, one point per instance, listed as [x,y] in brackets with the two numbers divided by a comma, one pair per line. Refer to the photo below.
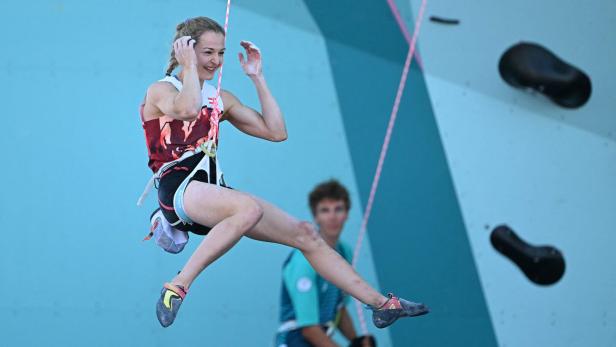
[519,159]
[417,233]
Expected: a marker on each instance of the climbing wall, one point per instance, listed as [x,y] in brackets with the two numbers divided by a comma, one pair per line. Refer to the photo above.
[468,153]
[517,158]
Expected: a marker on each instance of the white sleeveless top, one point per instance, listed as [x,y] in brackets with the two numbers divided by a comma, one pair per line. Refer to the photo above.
[208,92]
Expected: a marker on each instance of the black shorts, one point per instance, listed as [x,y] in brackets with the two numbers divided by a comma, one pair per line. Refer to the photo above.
[171,179]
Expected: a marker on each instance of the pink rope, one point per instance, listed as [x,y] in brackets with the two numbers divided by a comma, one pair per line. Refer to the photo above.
[215,116]
[405,31]
[384,148]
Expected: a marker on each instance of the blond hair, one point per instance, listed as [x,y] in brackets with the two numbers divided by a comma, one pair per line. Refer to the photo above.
[193,27]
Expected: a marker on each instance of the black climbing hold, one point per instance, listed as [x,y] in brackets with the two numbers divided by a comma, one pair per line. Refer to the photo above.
[442,20]
[531,66]
[543,265]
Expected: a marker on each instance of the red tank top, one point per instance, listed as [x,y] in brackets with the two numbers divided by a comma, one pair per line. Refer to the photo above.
[167,138]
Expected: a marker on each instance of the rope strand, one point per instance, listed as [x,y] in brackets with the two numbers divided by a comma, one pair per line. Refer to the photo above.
[212,136]
[384,148]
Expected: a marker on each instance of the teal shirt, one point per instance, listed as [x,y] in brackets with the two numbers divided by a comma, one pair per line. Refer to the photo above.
[307,298]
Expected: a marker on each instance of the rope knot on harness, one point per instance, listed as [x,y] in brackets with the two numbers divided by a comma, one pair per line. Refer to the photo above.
[210,146]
